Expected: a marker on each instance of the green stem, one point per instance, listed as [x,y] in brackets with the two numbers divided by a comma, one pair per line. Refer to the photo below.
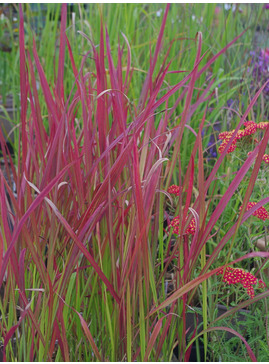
[204,295]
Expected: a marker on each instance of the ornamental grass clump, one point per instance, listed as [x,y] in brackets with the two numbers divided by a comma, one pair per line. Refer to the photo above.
[83,251]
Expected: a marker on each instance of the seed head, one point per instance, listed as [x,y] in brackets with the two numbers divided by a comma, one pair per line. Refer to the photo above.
[265,158]
[175,225]
[174,190]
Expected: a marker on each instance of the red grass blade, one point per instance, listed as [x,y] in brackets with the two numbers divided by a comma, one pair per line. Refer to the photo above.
[23,84]
[89,336]
[145,88]
[62,337]
[55,114]
[21,270]
[60,81]
[153,338]
[117,100]
[125,90]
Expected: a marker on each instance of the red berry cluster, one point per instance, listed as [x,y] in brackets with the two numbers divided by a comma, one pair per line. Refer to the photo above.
[262,125]
[265,158]
[226,141]
[192,228]
[250,128]
[261,213]
[175,225]
[174,190]
[239,276]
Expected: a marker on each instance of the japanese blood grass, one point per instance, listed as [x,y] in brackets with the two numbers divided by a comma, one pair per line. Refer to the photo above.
[84,252]
[139,22]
